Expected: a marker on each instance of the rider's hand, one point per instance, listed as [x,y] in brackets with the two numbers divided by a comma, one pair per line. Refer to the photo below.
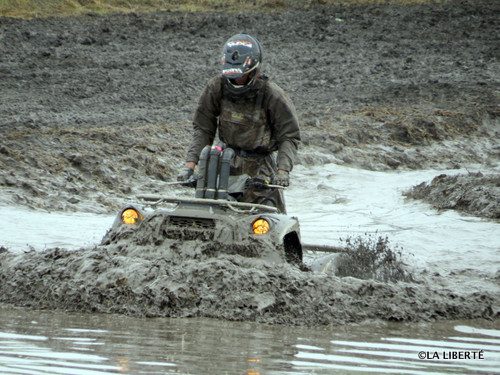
[281,178]
[258,182]
[184,174]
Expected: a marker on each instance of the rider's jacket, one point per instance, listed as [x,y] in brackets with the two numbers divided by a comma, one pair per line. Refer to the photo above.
[255,124]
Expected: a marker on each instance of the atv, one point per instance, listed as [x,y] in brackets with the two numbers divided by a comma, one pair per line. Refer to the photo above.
[217,213]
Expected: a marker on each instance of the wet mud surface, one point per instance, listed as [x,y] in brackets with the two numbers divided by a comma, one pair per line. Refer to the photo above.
[95,109]
[177,279]
[474,193]
[138,273]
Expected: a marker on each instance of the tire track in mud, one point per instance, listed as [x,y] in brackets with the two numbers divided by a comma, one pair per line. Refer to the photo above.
[173,279]
[88,102]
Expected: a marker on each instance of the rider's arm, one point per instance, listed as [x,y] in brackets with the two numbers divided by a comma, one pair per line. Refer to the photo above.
[285,125]
[205,120]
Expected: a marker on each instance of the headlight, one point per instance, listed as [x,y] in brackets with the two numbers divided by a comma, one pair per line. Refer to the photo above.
[261,226]
[131,216]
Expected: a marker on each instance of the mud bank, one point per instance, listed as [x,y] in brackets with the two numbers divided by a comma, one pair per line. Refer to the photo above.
[474,193]
[103,103]
[182,280]
[95,169]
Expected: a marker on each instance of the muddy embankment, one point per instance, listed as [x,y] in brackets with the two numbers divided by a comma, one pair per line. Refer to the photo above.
[141,274]
[95,109]
[474,193]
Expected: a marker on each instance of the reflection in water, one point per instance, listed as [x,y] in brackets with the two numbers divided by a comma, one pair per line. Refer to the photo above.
[253,372]
[123,364]
[479,331]
[34,342]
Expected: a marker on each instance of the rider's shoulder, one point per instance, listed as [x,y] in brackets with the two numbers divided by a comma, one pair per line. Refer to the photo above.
[214,85]
[274,91]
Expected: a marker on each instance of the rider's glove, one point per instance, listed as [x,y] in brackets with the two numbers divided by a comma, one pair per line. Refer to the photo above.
[281,178]
[184,174]
[257,182]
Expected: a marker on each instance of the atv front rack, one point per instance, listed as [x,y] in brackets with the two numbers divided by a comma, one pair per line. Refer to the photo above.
[235,206]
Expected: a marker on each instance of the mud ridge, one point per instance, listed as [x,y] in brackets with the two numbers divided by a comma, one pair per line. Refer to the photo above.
[472,193]
[176,279]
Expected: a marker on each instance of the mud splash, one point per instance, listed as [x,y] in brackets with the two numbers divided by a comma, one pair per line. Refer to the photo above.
[475,193]
[370,257]
[177,279]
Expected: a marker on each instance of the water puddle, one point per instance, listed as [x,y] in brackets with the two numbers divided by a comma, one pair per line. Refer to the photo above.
[335,202]
[332,202]
[40,230]
[34,342]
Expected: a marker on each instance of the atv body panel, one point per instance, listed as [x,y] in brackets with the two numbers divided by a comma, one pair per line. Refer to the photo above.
[222,222]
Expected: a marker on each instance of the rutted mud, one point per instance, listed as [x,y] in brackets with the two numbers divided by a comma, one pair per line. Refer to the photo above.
[474,193]
[104,103]
[182,280]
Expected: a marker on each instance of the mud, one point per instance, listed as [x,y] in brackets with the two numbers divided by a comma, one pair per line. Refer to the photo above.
[374,258]
[472,193]
[154,230]
[174,279]
[94,109]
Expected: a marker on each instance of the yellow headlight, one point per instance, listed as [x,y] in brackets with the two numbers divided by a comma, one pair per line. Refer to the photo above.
[131,216]
[260,226]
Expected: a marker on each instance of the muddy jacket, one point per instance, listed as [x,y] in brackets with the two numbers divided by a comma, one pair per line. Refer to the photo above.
[258,123]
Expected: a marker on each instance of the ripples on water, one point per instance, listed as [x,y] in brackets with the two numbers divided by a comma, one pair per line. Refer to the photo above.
[57,343]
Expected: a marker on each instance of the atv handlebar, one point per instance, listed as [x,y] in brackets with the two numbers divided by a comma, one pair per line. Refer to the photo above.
[256,182]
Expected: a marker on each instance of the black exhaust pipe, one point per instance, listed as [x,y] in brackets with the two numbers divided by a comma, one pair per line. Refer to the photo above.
[213,172]
[201,184]
[225,166]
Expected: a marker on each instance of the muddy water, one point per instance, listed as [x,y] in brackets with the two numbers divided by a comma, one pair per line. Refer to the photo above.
[340,202]
[41,229]
[344,202]
[332,202]
[33,342]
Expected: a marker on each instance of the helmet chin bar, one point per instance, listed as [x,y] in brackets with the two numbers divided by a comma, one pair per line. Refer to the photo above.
[242,89]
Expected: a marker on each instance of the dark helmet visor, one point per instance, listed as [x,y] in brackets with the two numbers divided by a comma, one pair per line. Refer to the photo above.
[238,58]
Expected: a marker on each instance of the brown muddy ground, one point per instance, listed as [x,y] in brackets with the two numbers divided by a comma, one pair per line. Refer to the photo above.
[474,193]
[94,109]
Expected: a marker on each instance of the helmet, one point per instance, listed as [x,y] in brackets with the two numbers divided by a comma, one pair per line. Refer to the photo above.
[242,56]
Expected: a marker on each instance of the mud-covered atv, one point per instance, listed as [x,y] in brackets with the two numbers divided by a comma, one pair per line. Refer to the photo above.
[216,213]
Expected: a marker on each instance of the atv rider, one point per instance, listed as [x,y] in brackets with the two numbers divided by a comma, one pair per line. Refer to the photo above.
[254,117]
